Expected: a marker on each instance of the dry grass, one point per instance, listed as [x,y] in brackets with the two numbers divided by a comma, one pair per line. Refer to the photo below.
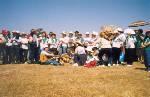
[67,81]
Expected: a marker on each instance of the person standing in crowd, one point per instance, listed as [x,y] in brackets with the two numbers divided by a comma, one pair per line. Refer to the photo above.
[53,43]
[24,48]
[130,46]
[76,34]
[9,48]
[2,48]
[94,38]
[87,39]
[117,44]
[146,46]
[105,51]
[71,44]
[80,56]
[43,41]
[79,38]
[16,47]
[139,49]
[33,47]
[63,43]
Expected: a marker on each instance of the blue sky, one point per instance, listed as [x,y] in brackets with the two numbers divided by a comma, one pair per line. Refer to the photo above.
[71,15]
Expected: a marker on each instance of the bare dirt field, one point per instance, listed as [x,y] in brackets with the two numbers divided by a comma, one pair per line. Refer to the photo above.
[34,80]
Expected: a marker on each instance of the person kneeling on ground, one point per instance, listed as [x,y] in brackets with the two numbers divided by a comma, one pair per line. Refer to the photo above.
[48,58]
[80,55]
[91,58]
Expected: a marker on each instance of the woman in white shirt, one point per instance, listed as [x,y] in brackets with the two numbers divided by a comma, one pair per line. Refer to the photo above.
[87,39]
[130,47]
[24,48]
[105,51]
[53,42]
[44,40]
[71,44]
[63,43]
[117,43]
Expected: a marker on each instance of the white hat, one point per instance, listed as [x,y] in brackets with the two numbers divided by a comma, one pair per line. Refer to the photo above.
[1,35]
[89,49]
[119,29]
[70,32]
[129,31]
[40,35]
[87,32]
[16,31]
[45,46]
[94,33]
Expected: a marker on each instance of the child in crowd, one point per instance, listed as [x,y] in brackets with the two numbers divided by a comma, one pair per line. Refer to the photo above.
[91,58]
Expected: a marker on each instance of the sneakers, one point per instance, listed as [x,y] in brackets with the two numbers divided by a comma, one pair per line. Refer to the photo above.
[109,65]
[101,65]
[148,69]
[117,64]
[75,64]
[129,65]
[114,64]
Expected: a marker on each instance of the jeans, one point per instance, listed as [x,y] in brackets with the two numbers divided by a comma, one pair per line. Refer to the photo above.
[23,55]
[62,50]
[115,55]
[108,53]
[9,55]
[2,53]
[80,59]
[53,62]
[15,54]
[130,55]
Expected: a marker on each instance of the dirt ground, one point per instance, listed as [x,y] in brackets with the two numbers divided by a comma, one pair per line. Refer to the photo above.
[34,80]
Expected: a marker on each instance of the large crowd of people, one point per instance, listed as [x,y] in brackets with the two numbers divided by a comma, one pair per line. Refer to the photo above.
[112,46]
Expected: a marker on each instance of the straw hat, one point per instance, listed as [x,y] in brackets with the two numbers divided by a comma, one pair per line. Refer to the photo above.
[79,43]
[53,33]
[64,33]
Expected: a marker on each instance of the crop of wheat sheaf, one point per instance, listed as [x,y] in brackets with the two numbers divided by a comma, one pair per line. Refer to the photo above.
[27,80]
